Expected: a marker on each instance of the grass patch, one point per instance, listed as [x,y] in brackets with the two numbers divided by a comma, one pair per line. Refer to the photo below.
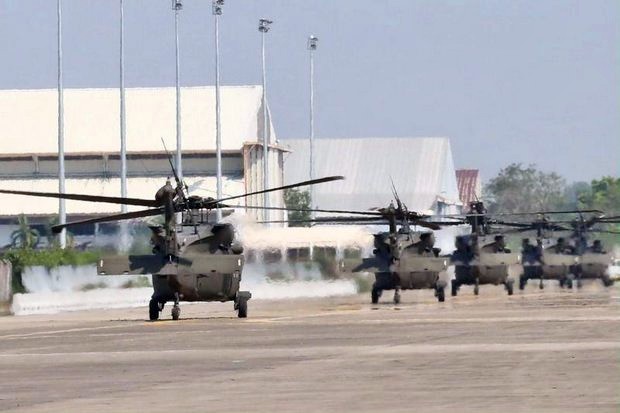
[140,282]
[363,282]
[92,286]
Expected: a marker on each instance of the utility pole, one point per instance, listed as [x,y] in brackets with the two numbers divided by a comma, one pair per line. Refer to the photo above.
[123,129]
[263,27]
[62,213]
[177,6]
[312,45]
[217,12]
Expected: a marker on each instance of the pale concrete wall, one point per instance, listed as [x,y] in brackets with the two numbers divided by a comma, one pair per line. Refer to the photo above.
[5,286]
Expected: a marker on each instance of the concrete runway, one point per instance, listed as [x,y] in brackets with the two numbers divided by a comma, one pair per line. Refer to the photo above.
[549,351]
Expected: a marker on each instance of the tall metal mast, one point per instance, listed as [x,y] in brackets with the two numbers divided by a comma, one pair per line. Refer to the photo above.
[124,229]
[62,214]
[312,45]
[263,27]
[177,6]
[217,12]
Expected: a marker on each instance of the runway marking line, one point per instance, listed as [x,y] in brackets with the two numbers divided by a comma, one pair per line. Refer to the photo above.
[361,351]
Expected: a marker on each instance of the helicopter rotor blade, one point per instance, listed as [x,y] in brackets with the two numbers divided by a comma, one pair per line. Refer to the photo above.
[116,217]
[88,198]
[331,211]
[332,220]
[280,188]
[499,214]
[604,231]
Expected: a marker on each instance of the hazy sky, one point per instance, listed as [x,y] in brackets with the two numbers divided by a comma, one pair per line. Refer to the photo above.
[508,81]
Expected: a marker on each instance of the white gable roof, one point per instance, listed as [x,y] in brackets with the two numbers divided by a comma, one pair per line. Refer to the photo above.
[28,119]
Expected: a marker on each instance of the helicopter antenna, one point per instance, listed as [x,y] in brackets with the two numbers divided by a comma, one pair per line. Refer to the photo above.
[402,208]
[395,194]
[180,184]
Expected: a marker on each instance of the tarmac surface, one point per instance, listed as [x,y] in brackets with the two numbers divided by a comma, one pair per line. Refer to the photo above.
[537,351]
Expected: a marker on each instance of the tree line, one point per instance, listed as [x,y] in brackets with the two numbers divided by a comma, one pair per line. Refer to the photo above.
[518,188]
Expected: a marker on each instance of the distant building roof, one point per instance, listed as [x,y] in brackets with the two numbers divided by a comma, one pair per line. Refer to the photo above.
[422,170]
[470,188]
[28,120]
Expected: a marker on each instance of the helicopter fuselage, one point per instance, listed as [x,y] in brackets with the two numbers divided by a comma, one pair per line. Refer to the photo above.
[208,266]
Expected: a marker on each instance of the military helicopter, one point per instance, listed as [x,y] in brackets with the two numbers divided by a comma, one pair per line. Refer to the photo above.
[403,259]
[478,260]
[482,257]
[568,258]
[192,261]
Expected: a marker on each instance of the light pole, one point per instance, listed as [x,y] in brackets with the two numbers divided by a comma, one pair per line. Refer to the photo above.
[177,6]
[312,45]
[263,27]
[62,214]
[124,230]
[217,12]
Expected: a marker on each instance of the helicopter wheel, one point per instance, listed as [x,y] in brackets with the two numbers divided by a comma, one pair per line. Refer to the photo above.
[153,310]
[242,309]
[397,297]
[441,294]
[374,295]
[176,312]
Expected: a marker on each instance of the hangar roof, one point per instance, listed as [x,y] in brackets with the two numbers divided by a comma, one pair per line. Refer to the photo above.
[422,170]
[28,119]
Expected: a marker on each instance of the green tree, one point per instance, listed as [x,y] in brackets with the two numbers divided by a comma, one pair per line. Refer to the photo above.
[24,237]
[603,194]
[297,199]
[522,189]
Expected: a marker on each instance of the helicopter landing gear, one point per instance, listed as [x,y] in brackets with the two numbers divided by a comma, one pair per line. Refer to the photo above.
[176,312]
[375,294]
[510,286]
[455,288]
[154,309]
[397,296]
[440,291]
[241,303]
[176,309]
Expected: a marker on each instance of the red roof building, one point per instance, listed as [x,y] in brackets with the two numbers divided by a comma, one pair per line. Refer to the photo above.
[470,188]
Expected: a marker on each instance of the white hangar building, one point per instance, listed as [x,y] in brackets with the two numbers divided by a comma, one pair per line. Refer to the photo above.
[29,146]
[422,170]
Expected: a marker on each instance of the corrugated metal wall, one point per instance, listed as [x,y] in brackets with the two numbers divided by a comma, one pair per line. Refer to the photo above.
[421,168]
[253,177]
